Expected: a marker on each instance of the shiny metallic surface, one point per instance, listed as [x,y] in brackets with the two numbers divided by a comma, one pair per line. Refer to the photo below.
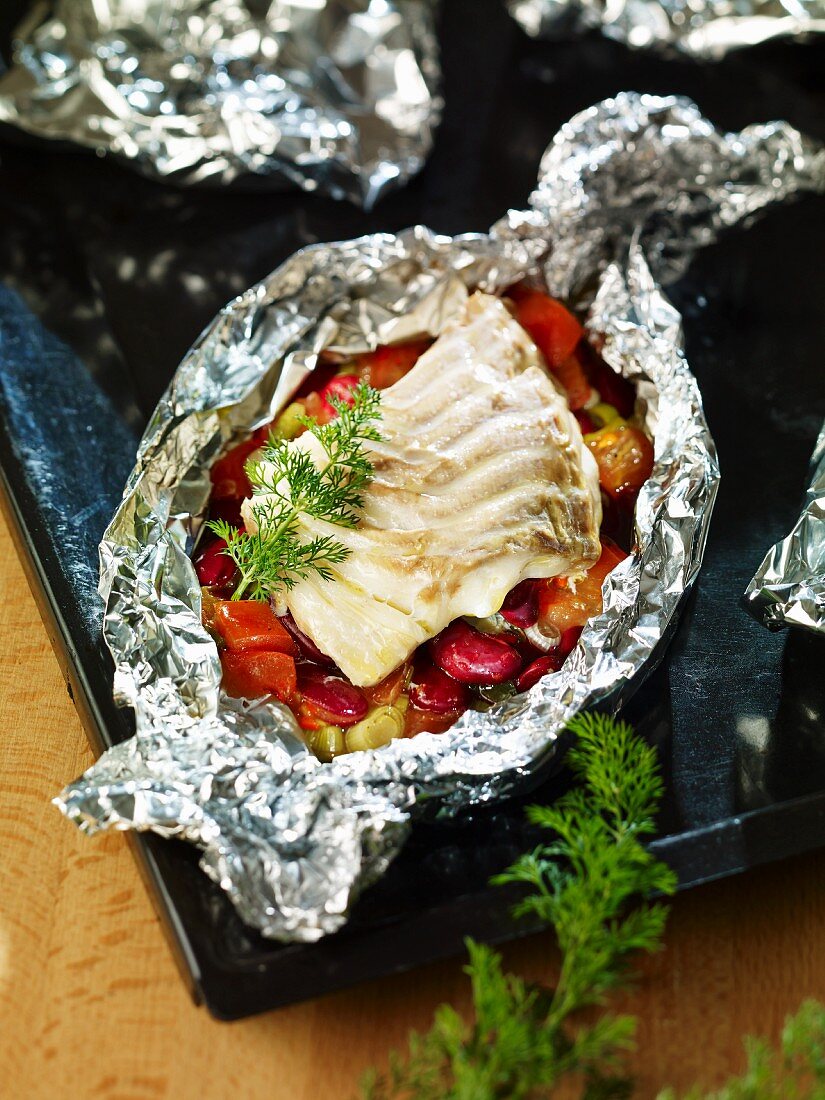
[294,841]
[336,96]
[701,28]
[788,588]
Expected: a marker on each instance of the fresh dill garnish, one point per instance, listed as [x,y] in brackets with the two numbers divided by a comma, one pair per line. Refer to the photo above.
[286,482]
[591,882]
[796,1071]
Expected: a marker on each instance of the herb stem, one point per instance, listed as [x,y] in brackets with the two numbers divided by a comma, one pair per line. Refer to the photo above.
[287,484]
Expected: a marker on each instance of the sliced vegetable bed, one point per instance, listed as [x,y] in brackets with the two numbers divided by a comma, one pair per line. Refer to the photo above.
[470,663]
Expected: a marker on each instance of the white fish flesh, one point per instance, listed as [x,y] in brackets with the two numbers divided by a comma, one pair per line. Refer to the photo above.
[481,480]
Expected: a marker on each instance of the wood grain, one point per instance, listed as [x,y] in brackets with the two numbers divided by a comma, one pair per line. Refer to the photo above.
[91,1005]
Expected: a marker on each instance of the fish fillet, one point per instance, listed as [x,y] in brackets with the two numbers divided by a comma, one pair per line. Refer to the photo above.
[481,480]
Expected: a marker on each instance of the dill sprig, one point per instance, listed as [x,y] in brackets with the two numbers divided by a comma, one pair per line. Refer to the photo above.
[286,483]
[591,882]
[796,1071]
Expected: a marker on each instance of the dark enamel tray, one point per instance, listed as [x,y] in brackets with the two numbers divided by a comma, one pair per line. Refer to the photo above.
[107,278]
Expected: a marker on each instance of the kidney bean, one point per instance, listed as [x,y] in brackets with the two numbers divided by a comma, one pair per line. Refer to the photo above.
[331,698]
[305,644]
[521,606]
[472,657]
[213,567]
[540,667]
[568,641]
[434,691]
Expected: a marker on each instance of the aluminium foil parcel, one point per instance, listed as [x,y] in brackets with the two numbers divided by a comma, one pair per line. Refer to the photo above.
[703,29]
[627,192]
[335,96]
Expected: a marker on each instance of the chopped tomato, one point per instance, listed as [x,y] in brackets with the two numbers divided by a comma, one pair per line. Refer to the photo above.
[553,327]
[564,609]
[228,474]
[425,721]
[340,387]
[624,456]
[250,675]
[574,382]
[249,625]
[390,688]
[388,364]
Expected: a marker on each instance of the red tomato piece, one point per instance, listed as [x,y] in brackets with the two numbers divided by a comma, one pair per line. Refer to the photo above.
[228,474]
[250,625]
[388,364]
[552,326]
[250,675]
[624,456]
[565,610]
[340,387]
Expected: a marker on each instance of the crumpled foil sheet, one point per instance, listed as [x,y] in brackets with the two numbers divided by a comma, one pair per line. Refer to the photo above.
[788,588]
[336,96]
[701,28]
[627,191]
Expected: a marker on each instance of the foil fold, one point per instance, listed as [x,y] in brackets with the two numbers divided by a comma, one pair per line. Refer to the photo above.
[293,841]
[788,588]
[706,29]
[336,96]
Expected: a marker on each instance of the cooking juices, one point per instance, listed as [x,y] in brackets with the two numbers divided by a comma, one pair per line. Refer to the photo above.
[472,662]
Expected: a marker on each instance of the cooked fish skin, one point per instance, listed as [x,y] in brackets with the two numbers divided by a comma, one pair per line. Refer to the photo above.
[481,480]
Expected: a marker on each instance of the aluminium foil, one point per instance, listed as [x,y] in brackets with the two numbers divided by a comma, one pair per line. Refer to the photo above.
[706,29]
[627,192]
[335,96]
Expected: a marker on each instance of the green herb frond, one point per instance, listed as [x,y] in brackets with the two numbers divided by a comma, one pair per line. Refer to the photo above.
[796,1071]
[591,881]
[287,483]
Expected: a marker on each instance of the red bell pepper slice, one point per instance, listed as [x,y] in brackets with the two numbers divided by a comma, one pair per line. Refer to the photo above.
[552,326]
[249,625]
[228,474]
[250,675]
[388,364]
[570,374]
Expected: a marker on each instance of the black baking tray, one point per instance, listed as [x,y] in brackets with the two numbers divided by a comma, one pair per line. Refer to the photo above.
[106,280]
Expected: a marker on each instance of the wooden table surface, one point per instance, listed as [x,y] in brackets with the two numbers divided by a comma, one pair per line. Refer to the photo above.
[91,1005]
